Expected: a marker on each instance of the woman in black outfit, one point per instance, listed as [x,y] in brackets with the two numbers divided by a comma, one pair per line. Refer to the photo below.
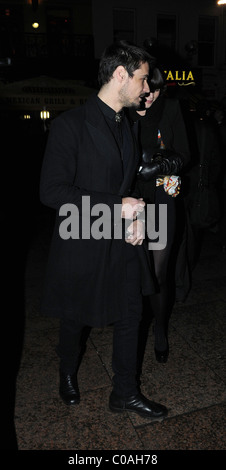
[162,136]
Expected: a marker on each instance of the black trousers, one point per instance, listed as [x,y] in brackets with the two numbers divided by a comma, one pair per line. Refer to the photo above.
[125,335]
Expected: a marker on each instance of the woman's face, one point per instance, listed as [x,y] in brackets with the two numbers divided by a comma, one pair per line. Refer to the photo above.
[151,98]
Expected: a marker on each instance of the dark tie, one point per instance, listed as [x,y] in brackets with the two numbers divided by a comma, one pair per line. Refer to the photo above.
[118,132]
[122,139]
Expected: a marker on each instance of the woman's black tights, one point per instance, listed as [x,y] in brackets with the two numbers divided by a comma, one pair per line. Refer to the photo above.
[160,302]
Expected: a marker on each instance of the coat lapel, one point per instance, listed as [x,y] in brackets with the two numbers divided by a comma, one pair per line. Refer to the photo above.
[105,142]
[101,134]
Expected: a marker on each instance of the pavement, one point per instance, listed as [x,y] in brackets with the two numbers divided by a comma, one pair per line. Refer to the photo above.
[191,384]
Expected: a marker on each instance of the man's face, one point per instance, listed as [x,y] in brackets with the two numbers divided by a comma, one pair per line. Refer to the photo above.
[135,87]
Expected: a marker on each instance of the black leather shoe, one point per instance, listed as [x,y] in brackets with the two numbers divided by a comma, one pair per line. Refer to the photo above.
[69,390]
[162,356]
[137,404]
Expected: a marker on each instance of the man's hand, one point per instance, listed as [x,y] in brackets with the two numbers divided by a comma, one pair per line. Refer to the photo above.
[135,233]
[131,207]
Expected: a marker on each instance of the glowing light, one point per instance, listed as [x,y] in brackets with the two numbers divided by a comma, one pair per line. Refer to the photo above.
[44,114]
[35,25]
[221,2]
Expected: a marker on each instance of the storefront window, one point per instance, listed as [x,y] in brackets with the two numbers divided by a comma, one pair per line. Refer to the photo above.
[166,30]
[124,24]
[206,41]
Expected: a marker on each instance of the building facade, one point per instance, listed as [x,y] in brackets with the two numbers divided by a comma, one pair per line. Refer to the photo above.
[193,31]
[65,39]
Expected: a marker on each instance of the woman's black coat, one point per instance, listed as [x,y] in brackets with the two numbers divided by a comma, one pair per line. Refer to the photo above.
[86,278]
[174,136]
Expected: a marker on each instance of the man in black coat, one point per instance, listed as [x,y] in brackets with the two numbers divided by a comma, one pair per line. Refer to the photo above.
[96,277]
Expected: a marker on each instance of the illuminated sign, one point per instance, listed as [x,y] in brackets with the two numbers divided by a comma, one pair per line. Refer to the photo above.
[182,78]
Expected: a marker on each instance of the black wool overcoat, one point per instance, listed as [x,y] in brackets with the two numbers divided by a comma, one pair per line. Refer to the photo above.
[86,277]
[174,136]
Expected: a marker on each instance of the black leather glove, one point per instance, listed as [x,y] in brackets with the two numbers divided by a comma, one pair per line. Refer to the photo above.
[163,163]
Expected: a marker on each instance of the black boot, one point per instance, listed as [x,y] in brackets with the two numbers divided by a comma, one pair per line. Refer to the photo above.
[69,390]
[162,356]
[161,345]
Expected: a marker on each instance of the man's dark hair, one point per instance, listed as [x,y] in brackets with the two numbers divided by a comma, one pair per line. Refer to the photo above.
[122,53]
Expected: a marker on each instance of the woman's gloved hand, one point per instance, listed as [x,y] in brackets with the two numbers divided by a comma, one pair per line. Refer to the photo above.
[165,162]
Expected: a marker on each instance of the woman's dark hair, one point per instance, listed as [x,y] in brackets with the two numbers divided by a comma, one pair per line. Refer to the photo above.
[121,53]
[156,81]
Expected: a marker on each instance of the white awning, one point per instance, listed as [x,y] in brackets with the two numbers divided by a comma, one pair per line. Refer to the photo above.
[44,93]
